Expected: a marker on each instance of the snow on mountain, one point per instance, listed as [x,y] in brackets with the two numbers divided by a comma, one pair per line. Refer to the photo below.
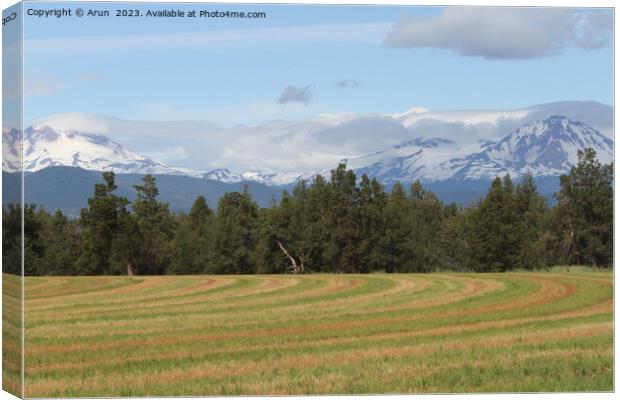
[223,175]
[543,148]
[265,177]
[408,161]
[45,147]
[270,178]
[10,150]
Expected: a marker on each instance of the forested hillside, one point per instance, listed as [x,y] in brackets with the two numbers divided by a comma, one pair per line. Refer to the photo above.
[342,225]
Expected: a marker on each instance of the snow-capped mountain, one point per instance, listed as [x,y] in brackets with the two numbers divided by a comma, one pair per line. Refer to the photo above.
[10,149]
[408,161]
[223,175]
[46,147]
[546,147]
[542,148]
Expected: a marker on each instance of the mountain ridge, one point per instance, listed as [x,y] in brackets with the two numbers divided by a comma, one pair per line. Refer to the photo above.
[541,148]
[544,147]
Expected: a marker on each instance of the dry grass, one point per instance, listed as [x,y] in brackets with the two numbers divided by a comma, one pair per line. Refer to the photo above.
[379,333]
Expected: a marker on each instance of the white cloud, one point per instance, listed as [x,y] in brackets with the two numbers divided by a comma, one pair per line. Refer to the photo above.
[314,143]
[505,32]
[252,112]
[175,153]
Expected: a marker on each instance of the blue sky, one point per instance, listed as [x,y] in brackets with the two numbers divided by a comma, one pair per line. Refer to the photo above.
[234,71]
[338,72]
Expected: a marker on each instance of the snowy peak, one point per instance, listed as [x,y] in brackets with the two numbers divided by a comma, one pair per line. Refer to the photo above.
[50,143]
[546,147]
[549,147]
[412,159]
[11,138]
[223,175]
[45,147]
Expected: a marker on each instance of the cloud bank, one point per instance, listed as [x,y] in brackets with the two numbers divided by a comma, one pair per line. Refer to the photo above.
[298,146]
[505,33]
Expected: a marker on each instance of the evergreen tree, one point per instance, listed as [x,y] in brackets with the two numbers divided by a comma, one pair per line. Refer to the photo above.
[531,211]
[494,244]
[343,255]
[154,226]
[234,245]
[452,243]
[12,239]
[426,218]
[396,246]
[270,258]
[33,244]
[320,249]
[191,254]
[372,200]
[62,244]
[584,214]
[102,227]
[288,224]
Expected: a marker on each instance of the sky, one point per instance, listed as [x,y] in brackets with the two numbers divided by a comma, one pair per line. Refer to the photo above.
[303,61]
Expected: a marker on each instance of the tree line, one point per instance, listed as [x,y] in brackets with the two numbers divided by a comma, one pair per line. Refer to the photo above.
[343,225]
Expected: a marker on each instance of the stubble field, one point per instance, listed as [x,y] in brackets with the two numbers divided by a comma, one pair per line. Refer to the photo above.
[379,333]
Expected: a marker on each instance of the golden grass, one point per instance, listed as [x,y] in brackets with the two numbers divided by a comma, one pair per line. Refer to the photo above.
[379,333]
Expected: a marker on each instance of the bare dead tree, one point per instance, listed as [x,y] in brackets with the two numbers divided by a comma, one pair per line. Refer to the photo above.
[295,268]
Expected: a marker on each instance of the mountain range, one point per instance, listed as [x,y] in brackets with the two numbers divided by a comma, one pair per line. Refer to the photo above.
[542,148]
[545,148]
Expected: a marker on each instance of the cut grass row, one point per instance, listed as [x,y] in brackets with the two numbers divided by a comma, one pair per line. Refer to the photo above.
[379,333]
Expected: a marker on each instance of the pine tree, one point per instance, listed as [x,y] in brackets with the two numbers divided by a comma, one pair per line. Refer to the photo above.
[453,244]
[191,253]
[234,245]
[12,239]
[155,227]
[33,244]
[371,224]
[426,218]
[345,234]
[269,255]
[62,244]
[396,245]
[584,214]
[321,250]
[531,211]
[493,239]
[102,227]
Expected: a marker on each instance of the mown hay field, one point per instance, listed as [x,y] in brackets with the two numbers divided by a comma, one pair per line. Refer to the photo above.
[286,334]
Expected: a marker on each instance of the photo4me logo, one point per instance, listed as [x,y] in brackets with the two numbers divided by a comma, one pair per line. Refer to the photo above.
[9,18]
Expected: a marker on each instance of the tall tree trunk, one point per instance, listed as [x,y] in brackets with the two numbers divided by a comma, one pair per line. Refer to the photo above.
[130,271]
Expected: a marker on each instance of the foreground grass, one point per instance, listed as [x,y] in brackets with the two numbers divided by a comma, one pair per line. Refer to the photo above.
[380,333]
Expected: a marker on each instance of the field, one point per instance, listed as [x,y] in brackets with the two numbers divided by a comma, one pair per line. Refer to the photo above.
[379,333]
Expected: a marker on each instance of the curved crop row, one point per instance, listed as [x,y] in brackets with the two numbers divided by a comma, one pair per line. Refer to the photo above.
[379,333]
